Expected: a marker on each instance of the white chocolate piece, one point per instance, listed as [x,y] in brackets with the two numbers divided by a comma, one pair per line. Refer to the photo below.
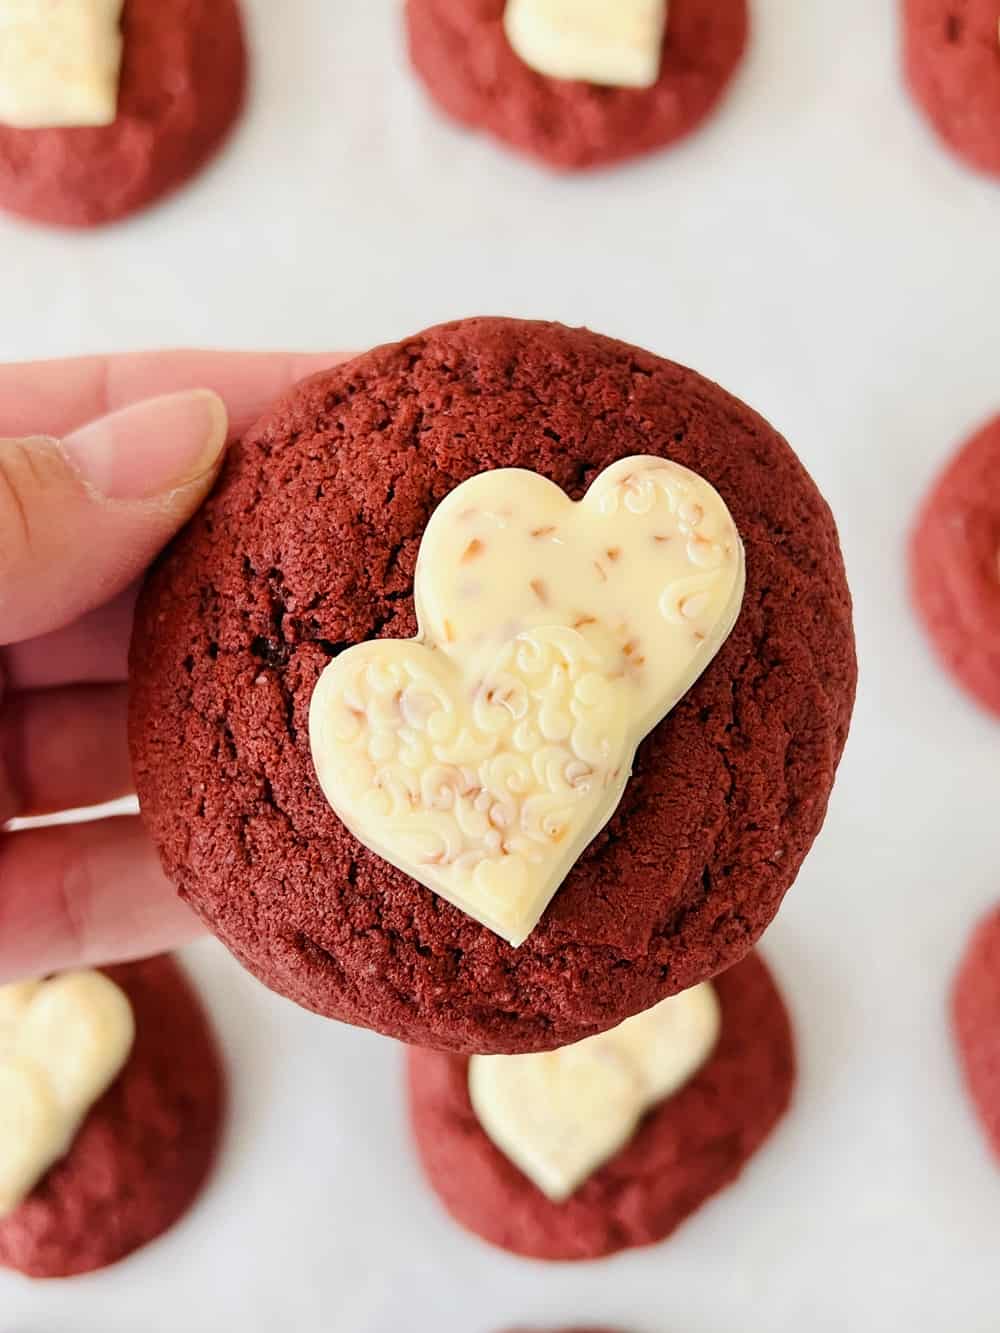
[612,42]
[14,1002]
[482,757]
[62,1044]
[60,62]
[560,1116]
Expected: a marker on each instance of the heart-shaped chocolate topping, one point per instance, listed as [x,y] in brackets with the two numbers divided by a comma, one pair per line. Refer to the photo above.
[62,1044]
[482,757]
[561,1115]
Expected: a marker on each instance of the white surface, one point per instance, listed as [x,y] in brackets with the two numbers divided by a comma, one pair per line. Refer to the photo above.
[815,252]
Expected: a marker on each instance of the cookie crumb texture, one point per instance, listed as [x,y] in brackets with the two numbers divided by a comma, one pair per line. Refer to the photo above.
[952,60]
[308,545]
[182,88]
[145,1149]
[977,1024]
[955,566]
[461,52]
[693,1145]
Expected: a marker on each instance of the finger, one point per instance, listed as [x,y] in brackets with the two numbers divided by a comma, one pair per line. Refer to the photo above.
[56,397]
[81,517]
[83,894]
[61,749]
[93,650]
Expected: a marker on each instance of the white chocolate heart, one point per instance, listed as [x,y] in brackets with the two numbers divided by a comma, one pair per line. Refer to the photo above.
[62,1044]
[60,62]
[612,42]
[482,757]
[560,1116]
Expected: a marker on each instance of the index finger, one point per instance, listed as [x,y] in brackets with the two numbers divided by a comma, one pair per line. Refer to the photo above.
[56,397]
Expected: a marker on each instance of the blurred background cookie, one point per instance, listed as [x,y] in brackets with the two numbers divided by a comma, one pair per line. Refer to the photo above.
[105,107]
[127,1158]
[685,1149]
[952,60]
[578,84]
[976,1011]
[955,566]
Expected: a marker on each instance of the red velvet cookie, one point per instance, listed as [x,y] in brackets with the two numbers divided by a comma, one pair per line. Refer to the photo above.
[685,1150]
[308,546]
[144,1151]
[955,566]
[460,50]
[976,1008]
[182,87]
[952,59]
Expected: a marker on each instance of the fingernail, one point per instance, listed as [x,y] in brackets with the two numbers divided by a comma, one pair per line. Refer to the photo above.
[151,448]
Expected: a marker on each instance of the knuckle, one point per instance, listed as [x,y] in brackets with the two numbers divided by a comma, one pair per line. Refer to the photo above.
[28,469]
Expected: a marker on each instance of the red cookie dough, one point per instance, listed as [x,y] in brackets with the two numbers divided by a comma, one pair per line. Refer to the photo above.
[952,60]
[686,1150]
[308,545]
[144,1151]
[976,1008]
[182,88]
[955,566]
[460,50]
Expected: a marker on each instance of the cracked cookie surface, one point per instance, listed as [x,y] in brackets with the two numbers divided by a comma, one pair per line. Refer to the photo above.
[309,545]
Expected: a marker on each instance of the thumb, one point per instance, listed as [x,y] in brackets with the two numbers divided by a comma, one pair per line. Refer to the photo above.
[81,517]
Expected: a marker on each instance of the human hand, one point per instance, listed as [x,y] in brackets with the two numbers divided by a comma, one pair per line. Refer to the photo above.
[84,508]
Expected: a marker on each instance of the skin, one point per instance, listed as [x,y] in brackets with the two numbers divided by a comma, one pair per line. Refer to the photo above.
[71,558]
